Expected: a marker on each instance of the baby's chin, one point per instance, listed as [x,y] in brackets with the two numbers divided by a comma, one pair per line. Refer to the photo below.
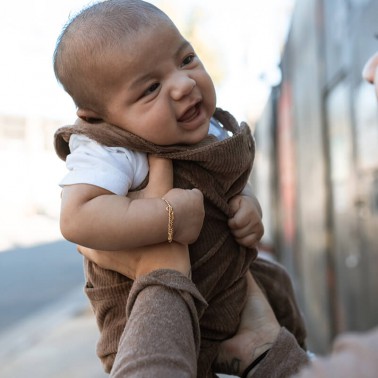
[197,139]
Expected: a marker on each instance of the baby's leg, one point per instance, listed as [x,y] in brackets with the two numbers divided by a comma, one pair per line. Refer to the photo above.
[257,332]
[108,292]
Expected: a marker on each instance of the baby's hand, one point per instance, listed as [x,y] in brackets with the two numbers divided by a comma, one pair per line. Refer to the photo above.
[187,204]
[246,222]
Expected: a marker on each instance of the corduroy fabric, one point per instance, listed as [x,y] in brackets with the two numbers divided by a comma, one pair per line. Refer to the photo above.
[220,169]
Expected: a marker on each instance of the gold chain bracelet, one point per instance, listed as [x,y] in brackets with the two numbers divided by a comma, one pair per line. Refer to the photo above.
[171,217]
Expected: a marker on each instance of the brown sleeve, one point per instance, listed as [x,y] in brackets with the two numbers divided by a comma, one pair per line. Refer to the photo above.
[283,360]
[162,337]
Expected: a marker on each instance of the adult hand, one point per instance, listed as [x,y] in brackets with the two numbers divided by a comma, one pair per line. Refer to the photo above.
[143,260]
[160,179]
[258,330]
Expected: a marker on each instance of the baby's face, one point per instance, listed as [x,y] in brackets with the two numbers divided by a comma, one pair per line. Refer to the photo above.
[162,91]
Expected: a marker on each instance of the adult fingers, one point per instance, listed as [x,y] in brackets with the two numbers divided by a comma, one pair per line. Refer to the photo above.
[160,177]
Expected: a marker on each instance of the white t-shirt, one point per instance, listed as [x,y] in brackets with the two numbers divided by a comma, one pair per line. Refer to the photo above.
[116,169]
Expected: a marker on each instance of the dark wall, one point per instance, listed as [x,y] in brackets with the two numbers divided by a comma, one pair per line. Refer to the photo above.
[324,179]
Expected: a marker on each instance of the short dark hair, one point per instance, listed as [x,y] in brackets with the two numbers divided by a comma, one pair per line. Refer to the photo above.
[91,34]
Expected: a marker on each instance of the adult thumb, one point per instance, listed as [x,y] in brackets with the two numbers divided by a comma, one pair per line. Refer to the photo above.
[161,174]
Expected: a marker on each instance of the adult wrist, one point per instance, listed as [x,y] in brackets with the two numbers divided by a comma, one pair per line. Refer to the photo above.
[172,256]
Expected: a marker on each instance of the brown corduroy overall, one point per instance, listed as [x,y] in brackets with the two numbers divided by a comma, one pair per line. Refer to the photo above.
[220,169]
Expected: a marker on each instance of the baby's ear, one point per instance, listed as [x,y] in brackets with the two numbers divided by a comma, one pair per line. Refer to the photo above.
[88,115]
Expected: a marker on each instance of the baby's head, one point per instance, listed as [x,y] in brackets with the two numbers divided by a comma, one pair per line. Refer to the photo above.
[125,62]
[90,40]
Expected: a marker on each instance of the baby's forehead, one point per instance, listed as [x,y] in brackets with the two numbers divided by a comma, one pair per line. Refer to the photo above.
[122,20]
[104,36]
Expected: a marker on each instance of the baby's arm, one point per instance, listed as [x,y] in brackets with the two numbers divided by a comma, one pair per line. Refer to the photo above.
[95,218]
[246,222]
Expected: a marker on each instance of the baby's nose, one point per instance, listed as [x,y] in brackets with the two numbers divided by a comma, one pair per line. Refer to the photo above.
[182,85]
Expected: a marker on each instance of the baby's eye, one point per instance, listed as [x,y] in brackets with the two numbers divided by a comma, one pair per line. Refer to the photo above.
[188,59]
[152,88]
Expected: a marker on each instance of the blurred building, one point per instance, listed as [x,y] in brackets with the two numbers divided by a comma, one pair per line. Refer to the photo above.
[30,175]
[317,166]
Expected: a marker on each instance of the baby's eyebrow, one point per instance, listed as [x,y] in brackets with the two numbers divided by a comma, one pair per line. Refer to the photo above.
[139,81]
[142,79]
[182,47]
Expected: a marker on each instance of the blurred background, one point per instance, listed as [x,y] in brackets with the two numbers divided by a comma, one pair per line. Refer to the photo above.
[292,70]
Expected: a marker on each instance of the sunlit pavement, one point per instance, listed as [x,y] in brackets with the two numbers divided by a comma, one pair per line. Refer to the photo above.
[66,350]
[46,327]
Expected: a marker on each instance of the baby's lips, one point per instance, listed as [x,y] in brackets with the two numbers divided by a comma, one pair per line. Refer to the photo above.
[190,114]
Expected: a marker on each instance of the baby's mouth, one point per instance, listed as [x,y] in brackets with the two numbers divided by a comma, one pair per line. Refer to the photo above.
[191,113]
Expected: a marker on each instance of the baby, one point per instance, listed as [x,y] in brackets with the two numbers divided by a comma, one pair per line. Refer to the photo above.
[140,89]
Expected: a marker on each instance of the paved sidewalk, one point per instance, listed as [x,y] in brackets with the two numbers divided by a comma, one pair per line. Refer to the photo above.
[67,351]
[59,342]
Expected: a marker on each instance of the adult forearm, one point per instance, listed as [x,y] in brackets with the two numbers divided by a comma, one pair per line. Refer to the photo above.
[161,338]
